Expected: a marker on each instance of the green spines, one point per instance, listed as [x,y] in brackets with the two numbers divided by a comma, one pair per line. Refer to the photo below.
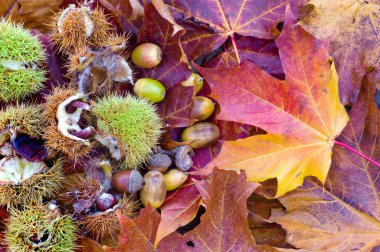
[25,118]
[36,228]
[20,54]
[134,122]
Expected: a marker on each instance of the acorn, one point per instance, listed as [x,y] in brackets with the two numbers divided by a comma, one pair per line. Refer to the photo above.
[159,162]
[146,55]
[154,190]
[129,181]
[203,108]
[174,179]
[149,89]
[105,201]
[194,79]
[201,134]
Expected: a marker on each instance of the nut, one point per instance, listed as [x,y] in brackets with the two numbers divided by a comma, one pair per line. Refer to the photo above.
[129,181]
[194,79]
[105,202]
[174,179]
[201,134]
[154,190]
[150,89]
[203,108]
[146,55]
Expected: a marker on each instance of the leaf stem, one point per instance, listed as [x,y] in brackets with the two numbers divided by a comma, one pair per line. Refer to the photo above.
[357,152]
[235,47]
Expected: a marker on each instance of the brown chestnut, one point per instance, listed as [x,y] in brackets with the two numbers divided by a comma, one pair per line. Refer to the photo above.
[129,181]
[203,108]
[105,201]
[201,134]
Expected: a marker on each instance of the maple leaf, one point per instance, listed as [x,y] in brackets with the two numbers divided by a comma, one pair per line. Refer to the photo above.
[209,24]
[175,109]
[353,28]
[302,114]
[138,234]
[344,214]
[127,14]
[32,13]
[263,53]
[180,207]
[224,226]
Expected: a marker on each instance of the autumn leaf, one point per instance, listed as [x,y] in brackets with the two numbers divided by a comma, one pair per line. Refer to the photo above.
[138,234]
[128,14]
[224,226]
[263,53]
[175,109]
[209,24]
[353,28]
[34,14]
[344,214]
[180,207]
[302,114]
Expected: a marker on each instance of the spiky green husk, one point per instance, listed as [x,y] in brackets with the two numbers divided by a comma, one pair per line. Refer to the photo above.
[134,122]
[18,47]
[26,118]
[34,189]
[17,44]
[20,83]
[38,220]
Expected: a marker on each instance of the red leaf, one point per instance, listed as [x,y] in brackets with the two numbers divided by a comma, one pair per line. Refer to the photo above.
[176,108]
[209,24]
[263,53]
[180,207]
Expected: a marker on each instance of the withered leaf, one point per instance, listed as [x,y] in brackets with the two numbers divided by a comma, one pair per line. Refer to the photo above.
[343,215]
[352,26]
[34,14]
[224,226]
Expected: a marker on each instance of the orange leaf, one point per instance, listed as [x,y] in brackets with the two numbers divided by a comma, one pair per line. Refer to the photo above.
[302,114]
[343,215]
[34,14]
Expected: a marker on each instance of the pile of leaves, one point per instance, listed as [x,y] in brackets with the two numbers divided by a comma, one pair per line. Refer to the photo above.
[295,80]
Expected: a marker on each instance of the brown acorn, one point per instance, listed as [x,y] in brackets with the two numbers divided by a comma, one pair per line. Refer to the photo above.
[154,190]
[201,134]
[203,108]
[128,181]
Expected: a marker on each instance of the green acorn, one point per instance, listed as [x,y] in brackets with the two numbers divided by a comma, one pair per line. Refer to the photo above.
[20,54]
[134,122]
[40,228]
